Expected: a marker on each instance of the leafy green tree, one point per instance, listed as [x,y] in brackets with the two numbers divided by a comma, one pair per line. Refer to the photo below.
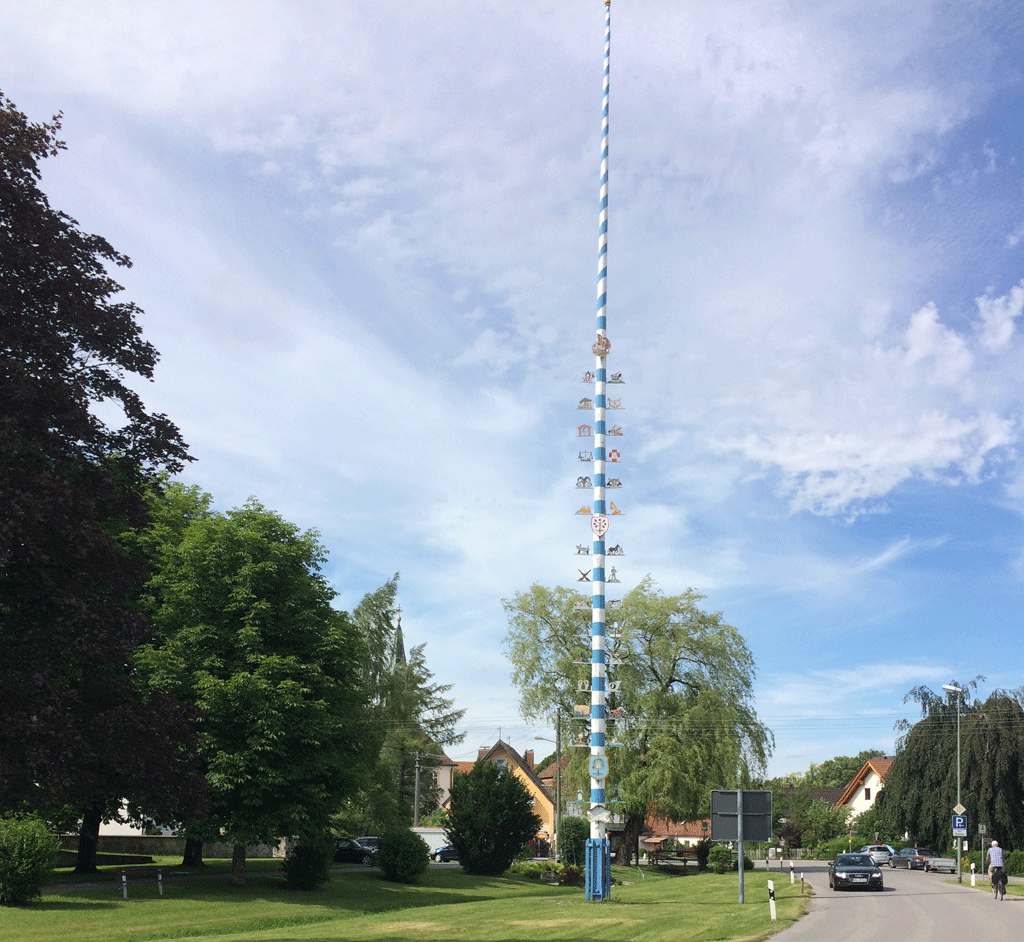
[826,820]
[685,686]
[74,725]
[414,718]
[920,787]
[837,772]
[490,819]
[871,822]
[248,634]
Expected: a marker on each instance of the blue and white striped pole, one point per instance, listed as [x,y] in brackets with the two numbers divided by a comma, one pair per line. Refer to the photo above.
[598,876]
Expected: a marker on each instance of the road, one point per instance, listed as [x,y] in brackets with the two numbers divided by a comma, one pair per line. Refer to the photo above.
[915,907]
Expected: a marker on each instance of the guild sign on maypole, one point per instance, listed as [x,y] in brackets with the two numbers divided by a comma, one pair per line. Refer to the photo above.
[598,863]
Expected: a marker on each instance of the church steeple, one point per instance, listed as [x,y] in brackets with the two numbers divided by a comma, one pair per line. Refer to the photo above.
[399,643]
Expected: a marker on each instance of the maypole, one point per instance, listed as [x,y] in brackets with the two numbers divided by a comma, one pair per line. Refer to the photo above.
[598,875]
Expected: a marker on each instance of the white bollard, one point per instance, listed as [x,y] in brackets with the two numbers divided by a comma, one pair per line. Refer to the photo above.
[771,898]
[792,875]
[972,874]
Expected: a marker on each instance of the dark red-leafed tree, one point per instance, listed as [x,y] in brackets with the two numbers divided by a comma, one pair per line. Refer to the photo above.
[74,726]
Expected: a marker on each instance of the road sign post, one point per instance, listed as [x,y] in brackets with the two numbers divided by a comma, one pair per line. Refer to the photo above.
[741,816]
[959,831]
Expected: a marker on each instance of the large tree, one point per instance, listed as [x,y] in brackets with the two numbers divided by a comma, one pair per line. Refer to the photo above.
[920,787]
[247,632]
[414,717]
[685,680]
[838,771]
[74,725]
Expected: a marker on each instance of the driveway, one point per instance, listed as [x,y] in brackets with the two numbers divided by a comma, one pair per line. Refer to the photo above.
[915,907]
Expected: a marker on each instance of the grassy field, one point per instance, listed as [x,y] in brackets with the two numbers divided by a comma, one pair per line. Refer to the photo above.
[447,904]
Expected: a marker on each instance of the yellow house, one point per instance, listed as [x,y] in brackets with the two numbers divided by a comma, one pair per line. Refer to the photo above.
[504,756]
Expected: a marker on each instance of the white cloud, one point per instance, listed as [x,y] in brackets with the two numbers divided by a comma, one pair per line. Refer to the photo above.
[998,316]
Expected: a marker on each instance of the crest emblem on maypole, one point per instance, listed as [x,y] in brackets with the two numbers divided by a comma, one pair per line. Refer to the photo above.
[599,524]
[602,346]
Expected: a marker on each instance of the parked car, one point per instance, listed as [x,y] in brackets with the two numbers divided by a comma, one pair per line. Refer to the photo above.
[879,853]
[912,858]
[854,871]
[369,840]
[349,850]
[445,854]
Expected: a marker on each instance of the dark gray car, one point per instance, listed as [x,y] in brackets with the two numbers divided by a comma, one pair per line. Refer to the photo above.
[912,858]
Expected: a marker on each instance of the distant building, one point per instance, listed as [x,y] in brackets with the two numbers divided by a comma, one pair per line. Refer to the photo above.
[864,787]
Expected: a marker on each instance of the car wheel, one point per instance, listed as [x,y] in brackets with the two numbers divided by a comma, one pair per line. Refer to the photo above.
[367,860]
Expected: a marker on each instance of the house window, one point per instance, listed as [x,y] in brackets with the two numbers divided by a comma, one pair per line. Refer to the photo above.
[502,764]
[434,777]
[867,794]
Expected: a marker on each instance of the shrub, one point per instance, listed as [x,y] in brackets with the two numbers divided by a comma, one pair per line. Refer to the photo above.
[572,841]
[534,868]
[306,865]
[720,858]
[703,849]
[28,854]
[838,845]
[490,819]
[573,876]
[402,855]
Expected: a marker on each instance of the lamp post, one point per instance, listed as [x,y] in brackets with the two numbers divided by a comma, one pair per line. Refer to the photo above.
[959,691]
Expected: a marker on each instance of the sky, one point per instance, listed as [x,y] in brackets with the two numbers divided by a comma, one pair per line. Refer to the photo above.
[364,239]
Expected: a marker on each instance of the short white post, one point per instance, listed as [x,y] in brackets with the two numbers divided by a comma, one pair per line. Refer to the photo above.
[124,883]
[160,881]
[771,898]
[792,875]
[972,874]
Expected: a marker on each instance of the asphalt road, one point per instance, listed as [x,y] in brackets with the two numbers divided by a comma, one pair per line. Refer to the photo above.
[914,907]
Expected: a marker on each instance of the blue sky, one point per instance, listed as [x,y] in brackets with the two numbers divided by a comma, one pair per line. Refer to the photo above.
[364,237]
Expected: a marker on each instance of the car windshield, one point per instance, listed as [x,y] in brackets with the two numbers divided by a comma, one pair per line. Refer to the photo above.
[925,852]
[853,860]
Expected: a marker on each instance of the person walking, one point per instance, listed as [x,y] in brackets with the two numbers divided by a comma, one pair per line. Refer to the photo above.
[997,873]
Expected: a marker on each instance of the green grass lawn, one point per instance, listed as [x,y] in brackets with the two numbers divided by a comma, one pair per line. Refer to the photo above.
[447,904]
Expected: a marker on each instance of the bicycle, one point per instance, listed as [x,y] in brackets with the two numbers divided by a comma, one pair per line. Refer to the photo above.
[998,883]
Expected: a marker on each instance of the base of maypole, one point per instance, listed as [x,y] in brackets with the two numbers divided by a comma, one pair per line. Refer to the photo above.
[599,870]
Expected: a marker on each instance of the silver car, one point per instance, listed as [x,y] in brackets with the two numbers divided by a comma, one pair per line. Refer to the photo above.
[879,853]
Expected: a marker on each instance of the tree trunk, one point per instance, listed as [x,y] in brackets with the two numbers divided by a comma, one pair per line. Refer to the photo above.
[238,865]
[88,839]
[193,853]
[630,835]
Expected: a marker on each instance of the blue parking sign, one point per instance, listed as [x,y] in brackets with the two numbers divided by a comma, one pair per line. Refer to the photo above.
[959,822]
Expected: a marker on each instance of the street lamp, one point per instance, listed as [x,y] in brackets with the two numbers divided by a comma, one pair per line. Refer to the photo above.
[959,691]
